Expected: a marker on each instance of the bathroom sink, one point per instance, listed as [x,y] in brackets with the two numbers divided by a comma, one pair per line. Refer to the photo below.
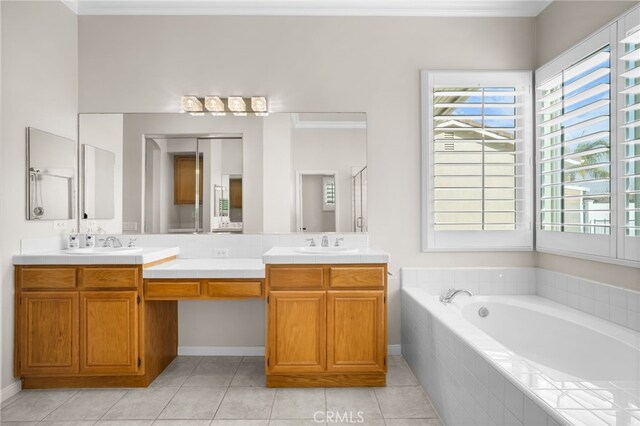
[326,250]
[96,251]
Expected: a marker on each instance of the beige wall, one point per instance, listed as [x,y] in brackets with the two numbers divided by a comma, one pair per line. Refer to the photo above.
[565,22]
[39,89]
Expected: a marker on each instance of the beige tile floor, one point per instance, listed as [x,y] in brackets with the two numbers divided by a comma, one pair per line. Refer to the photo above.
[223,391]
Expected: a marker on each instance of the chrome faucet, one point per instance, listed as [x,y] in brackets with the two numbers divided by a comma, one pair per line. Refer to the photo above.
[112,242]
[338,240]
[312,242]
[325,241]
[447,298]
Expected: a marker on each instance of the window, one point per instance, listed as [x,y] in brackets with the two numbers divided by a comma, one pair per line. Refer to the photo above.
[629,135]
[588,143]
[574,147]
[477,160]
[328,193]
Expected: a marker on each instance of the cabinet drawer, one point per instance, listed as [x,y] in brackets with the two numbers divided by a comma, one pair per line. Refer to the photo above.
[234,289]
[44,278]
[172,290]
[350,276]
[96,277]
[305,277]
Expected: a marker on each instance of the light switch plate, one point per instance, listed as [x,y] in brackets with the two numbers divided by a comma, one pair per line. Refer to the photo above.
[60,224]
[221,252]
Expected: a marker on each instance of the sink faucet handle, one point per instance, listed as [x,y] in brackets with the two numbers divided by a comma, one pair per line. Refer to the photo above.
[312,242]
[132,242]
[338,240]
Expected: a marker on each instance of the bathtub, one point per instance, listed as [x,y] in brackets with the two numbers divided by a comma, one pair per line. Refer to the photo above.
[521,360]
[562,343]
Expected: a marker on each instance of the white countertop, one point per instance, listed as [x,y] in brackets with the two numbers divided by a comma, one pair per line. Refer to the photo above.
[207,268]
[62,257]
[291,255]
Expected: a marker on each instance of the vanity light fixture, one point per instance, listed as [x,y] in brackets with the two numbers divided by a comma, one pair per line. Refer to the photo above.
[259,105]
[192,105]
[237,105]
[214,105]
[219,106]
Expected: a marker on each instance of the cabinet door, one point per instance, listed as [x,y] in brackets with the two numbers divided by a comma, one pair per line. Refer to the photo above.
[184,191]
[356,332]
[108,332]
[297,332]
[48,333]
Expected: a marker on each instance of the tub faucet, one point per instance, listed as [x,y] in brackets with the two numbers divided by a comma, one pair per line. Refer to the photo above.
[447,298]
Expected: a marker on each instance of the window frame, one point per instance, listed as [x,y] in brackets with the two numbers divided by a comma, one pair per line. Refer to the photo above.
[516,240]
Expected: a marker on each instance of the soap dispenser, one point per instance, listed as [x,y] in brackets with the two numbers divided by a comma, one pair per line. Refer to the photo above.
[90,239]
[74,241]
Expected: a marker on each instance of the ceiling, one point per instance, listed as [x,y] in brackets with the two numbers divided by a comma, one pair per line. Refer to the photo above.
[470,8]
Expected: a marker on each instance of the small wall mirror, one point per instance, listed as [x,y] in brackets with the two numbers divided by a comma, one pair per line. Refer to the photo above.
[97,183]
[51,176]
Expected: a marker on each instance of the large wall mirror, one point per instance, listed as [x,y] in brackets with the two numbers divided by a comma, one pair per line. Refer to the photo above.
[281,173]
[51,176]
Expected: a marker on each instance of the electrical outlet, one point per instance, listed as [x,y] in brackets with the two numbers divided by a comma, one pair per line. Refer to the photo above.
[60,224]
[129,226]
[221,252]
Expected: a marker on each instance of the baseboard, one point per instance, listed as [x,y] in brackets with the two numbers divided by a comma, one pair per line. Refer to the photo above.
[12,389]
[394,350]
[221,350]
[244,350]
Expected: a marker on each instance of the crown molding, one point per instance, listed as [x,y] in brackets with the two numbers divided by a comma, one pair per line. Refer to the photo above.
[424,8]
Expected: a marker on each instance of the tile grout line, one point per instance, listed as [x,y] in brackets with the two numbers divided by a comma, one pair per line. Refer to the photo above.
[61,404]
[182,386]
[226,390]
[273,402]
[110,408]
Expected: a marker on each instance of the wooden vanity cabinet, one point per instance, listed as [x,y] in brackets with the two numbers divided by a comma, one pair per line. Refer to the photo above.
[89,326]
[326,325]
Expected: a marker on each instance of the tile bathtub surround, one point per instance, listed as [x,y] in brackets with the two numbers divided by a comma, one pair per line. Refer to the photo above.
[463,386]
[480,281]
[205,245]
[223,391]
[615,304]
[461,368]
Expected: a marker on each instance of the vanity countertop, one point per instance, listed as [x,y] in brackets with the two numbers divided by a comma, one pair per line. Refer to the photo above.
[293,255]
[207,268]
[143,256]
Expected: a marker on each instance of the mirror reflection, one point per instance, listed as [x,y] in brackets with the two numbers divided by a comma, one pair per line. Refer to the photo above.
[98,181]
[281,173]
[193,184]
[51,171]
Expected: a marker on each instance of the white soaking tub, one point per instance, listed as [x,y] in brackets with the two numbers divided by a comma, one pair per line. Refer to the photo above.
[528,361]
[564,344]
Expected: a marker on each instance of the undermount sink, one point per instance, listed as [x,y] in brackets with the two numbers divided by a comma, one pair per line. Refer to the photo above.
[103,250]
[326,250]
